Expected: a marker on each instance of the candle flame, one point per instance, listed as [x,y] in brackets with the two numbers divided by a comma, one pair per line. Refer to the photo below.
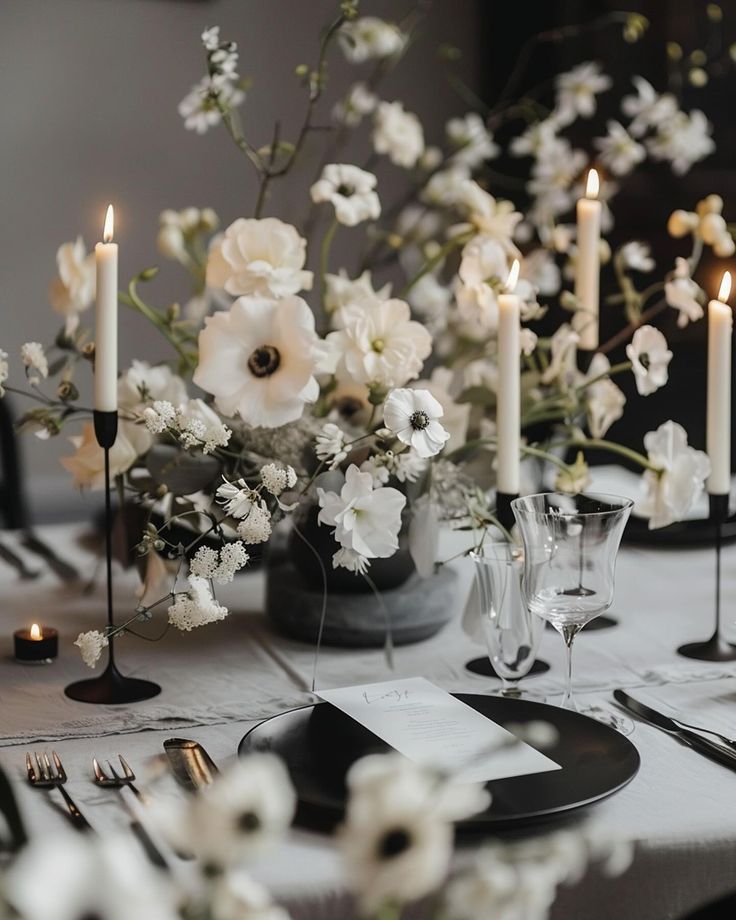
[593,184]
[513,277]
[35,631]
[109,225]
[725,290]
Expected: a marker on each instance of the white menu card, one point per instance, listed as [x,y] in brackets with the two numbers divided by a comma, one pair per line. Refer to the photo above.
[429,726]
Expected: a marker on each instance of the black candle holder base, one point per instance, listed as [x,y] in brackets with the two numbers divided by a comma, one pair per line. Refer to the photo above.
[112,687]
[484,667]
[714,649]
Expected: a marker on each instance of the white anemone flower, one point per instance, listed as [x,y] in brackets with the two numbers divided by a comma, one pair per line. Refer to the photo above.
[365,519]
[369,37]
[682,293]
[577,89]
[264,257]
[73,290]
[670,495]
[350,190]
[413,416]
[242,813]
[398,134]
[637,256]
[380,345]
[647,109]
[619,151]
[259,359]
[604,400]
[397,836]
[649,357]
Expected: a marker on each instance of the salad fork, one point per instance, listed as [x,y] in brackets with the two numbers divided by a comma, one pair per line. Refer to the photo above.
[43,775]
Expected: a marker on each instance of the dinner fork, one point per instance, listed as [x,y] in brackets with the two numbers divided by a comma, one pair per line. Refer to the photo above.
[45,776]
[114,778]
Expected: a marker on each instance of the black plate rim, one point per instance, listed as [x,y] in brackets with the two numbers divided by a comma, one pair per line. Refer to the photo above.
[483,821]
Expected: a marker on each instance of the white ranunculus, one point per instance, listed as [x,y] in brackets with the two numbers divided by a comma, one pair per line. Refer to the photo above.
[259,358]
[473,140]
[619,151]
[397,836]
[380,345]
[413,416]
[637,256]
[398,134]
[365,519]
[445,188]
[491,217]
[563,352]
[669,496]
[604,400]
[369,37]
[350,190]
[649,357]
[577,89]
[342,290]
[264,257]
[647,109]
[74,289]
[682,293]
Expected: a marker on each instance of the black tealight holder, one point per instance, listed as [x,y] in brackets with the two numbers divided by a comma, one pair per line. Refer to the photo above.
[32,648]
[111,686]
[716,648]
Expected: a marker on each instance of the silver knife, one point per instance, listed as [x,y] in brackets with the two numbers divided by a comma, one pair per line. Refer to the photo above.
[717,752]
[191,765]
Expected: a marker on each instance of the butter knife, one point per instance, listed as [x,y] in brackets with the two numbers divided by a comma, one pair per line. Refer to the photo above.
[715,751]
[192,766]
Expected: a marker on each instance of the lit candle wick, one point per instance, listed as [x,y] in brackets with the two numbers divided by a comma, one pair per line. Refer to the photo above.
[725,290]
[592,186]
[512,279]
[36,632]
[107,232]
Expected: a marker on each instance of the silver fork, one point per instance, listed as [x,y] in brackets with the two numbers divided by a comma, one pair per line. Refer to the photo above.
[45,776]
[115,779]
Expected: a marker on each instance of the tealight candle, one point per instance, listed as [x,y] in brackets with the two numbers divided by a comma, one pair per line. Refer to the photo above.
[587,267]
[39,643]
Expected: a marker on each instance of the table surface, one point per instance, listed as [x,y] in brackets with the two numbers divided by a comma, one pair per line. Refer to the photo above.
[220,680]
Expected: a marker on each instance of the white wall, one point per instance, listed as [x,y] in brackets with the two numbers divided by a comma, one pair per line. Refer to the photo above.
[88,115]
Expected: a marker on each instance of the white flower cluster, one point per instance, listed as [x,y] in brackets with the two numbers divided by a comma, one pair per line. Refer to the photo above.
[34,358]
[220,566]
[248,508]
[193,424]
[203,106]
[90,645]
[195,607]
[370,38]
[176,228]
[707,223]
[277,479]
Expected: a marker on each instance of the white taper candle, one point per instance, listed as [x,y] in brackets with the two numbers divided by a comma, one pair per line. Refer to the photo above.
[106,320]
[720,327]
[587,268]
[508,409]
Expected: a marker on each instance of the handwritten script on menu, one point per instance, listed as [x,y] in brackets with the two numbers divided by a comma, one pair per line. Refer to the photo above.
[431,727]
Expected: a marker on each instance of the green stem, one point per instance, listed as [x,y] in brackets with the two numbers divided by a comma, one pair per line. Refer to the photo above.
[132,299]
[614,369]
[324,258]
[627,452]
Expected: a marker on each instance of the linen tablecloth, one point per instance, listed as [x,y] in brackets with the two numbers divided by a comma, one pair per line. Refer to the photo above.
[220,680]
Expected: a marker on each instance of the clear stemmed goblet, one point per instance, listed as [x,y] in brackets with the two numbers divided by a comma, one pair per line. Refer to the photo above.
[511,631]
[570,548]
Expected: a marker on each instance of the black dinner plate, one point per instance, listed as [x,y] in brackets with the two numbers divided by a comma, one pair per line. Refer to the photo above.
[319,743]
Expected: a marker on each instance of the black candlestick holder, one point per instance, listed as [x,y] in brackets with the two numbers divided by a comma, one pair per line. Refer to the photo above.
[716,648]
[504,511]
[111,686]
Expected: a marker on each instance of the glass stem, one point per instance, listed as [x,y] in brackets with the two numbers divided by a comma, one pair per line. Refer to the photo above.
[568,634]
[510,688]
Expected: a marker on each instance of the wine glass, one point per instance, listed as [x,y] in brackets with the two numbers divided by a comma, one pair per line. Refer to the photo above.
[511,631]
[570,547]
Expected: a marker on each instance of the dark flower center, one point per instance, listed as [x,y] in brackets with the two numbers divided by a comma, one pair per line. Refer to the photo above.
[346,191]
[394,842]
[248,822]
[264,361]
[419,420]
[212,870]
[348,406]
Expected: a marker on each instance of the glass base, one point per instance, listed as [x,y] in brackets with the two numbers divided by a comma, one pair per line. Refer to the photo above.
[714,649]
